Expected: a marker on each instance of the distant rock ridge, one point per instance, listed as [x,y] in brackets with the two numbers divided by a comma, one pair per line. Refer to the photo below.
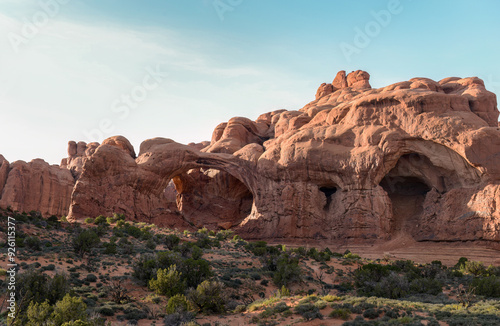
[418,157]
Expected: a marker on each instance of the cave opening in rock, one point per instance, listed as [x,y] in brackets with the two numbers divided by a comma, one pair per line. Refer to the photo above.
[328,191]
[407,195]
[212,198]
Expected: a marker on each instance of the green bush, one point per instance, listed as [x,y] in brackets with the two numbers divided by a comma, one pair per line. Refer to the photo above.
[399,280]
[89,220]
[308,311]
[100,220]
[224,235]
[69,309]
[37,314]
[91,278]
[341,313]
[487,286]
[32,243]
[171,241]
[151,244]
[85,241]
[37,287]
[106,311]
[475,268]
[371,313]
[178,303]
[208,297]
[194,271]
[287,270]
[110,248]
[168,282]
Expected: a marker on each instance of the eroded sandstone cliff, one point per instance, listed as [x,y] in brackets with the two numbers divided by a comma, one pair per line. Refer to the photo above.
[418,157]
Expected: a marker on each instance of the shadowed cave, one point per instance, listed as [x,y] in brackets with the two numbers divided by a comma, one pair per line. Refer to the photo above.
[213,196]
[407,195]
[328,192]
[407,184]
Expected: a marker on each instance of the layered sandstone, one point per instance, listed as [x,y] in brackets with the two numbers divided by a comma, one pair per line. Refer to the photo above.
[37,186]
[418,157]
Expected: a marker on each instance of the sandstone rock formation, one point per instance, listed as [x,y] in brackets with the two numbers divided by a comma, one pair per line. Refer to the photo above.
[37,186]
[417,157]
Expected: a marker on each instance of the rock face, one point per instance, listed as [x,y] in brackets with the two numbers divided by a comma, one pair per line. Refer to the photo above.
[418,157]
[37,186]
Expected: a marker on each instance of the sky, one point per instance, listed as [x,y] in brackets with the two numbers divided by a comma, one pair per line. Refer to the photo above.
[85,70]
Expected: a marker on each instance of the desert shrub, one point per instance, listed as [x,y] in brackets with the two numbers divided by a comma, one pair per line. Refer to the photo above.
[110,248]
[106,311]
[91,278]
[100,220]
[194,271]
[37,314]
[330,298]
[371,313]
[398,280]
[151,244]
[178,319]
[89,220]
[38,288]
[320,256]
[258,248]
[280,307]
[426,286]
[134,313]
[223,235]
[308,311]
[171,241]
[189,249]
[32,243]
[487,286]
[341,313]
[475,268]
[208,297]
[85,241]
[69,309]
[132,230]
[168,282]
[177,303]
[287,270]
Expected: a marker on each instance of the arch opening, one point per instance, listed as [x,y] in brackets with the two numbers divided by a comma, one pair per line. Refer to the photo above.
[328,192]
[407,185]
[209,197]
[407,195]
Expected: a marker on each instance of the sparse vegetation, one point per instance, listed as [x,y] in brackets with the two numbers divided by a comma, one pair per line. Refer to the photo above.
[74,274]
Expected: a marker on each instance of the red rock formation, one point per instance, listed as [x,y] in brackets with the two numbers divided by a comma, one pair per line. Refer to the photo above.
[37,186]
[4,172]
[417,157]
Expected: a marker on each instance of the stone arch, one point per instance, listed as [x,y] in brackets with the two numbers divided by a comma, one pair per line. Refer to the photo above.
[114,182]
[213,196]
[414,175]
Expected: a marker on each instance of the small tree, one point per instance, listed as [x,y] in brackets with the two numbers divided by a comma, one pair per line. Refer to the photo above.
[177,303]
[100,220]
[69,309]
[208,297]
[39,313]
[171,241]
[117,291]
[168,282]
[287,271]
[85,241]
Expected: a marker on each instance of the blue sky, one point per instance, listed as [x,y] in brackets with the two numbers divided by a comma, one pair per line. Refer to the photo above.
[87,70]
